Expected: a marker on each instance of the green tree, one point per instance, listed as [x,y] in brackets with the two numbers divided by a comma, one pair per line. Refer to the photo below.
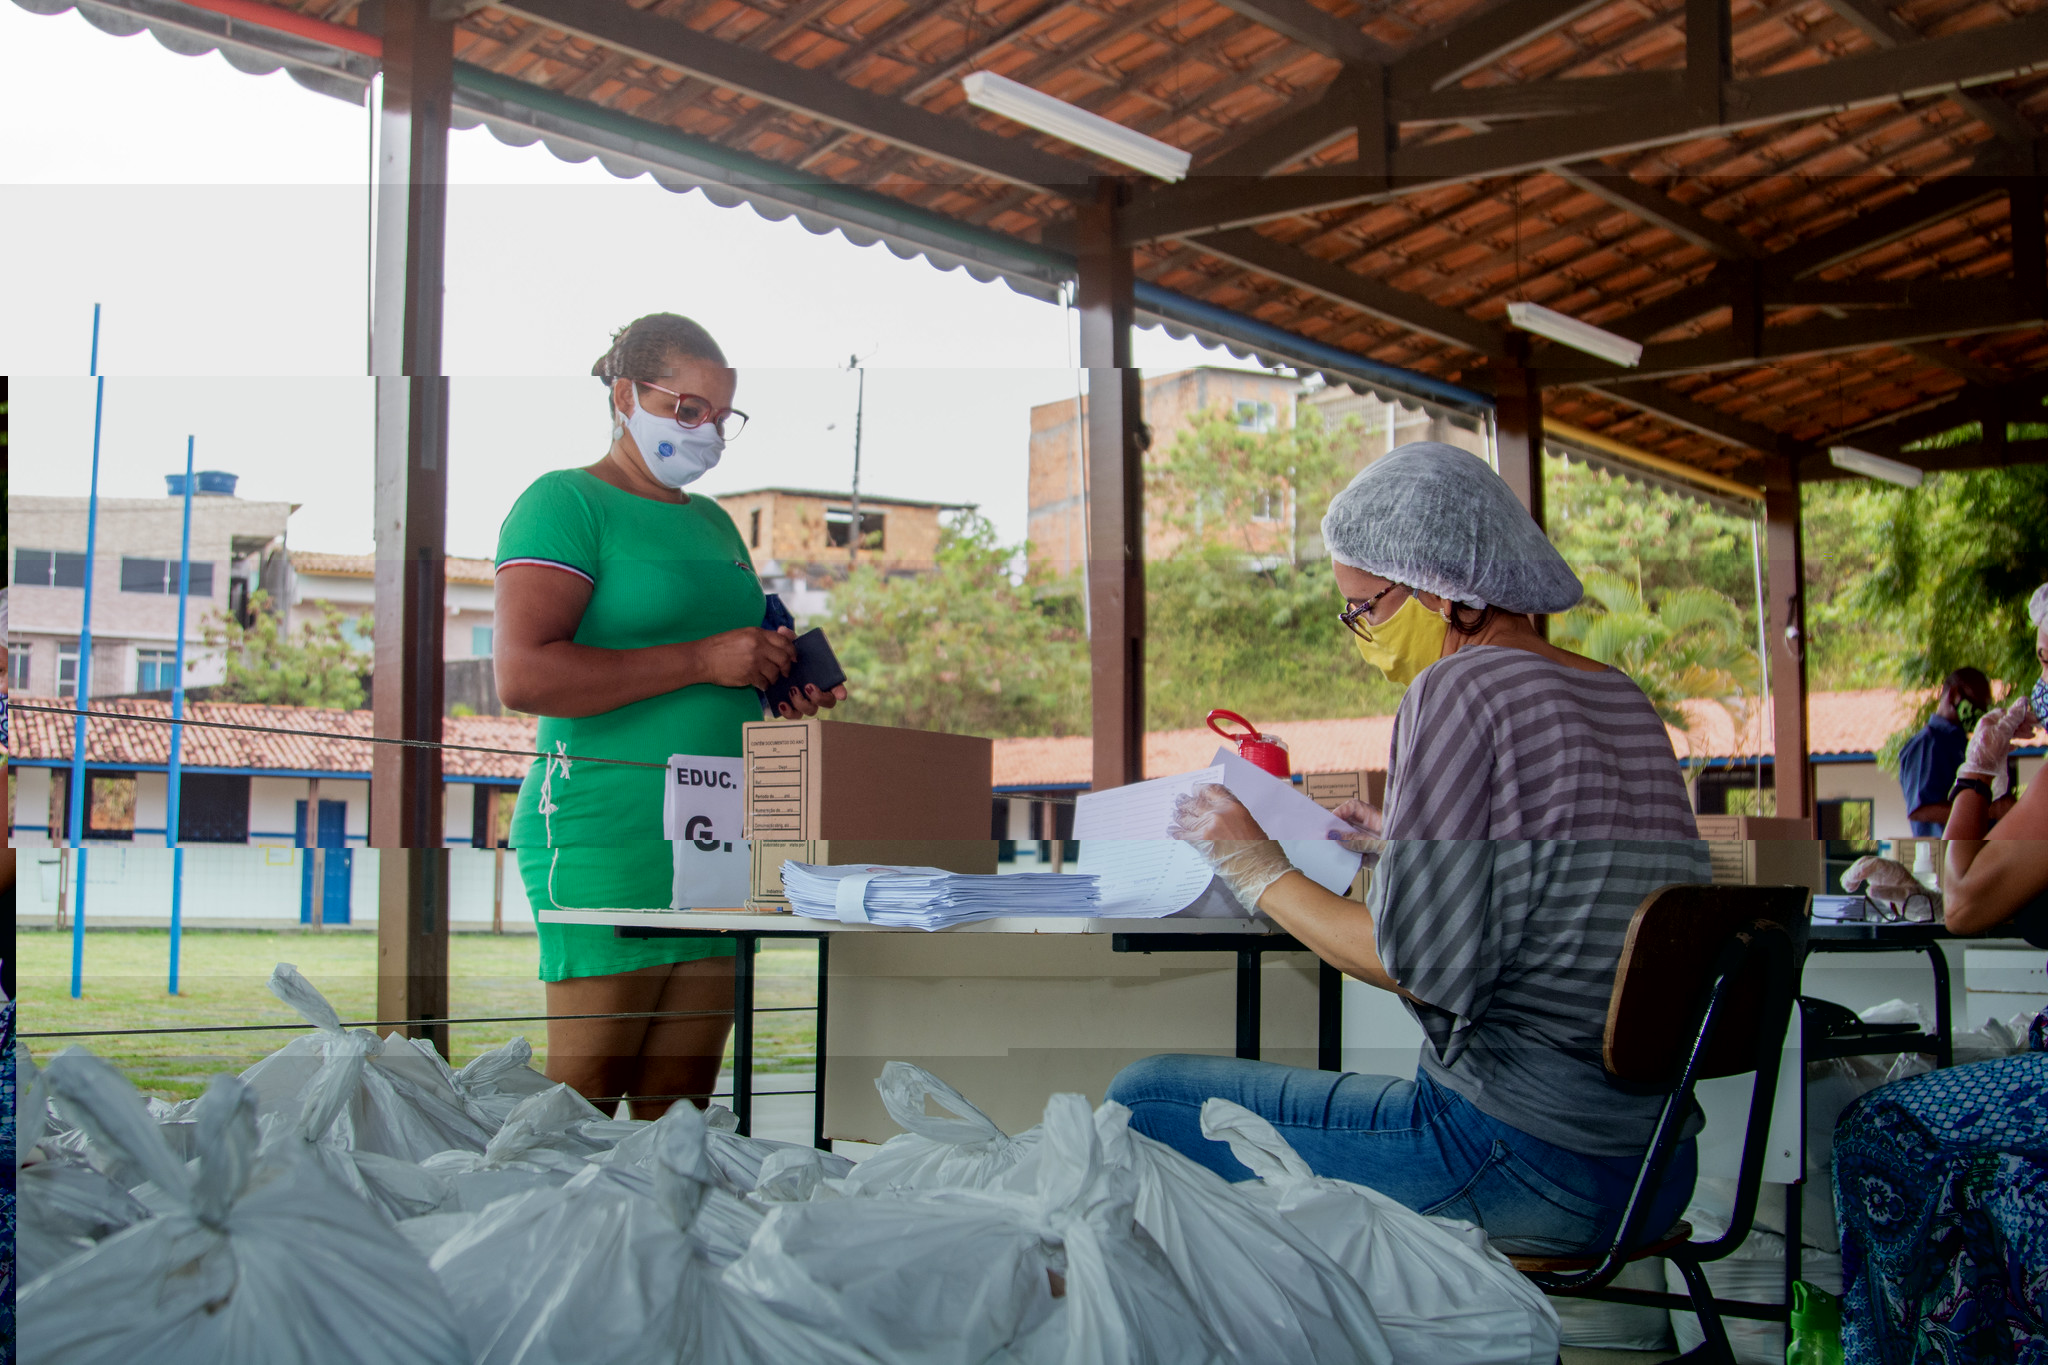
[314,667]
[1658,538]
[1261,494]
[966,648]
[1688,646]
[1955,562]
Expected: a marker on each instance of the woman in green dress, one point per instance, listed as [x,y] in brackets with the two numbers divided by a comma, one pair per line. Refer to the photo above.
[629,619]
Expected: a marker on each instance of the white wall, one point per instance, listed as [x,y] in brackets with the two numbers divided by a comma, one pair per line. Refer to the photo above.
[1866,782]
[240,886]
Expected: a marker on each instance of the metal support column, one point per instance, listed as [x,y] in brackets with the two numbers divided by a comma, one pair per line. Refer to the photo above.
[1518,436]
[1787,640]
[1329,1018]
[1117,439]
[818,1138]
[1248,965]
[411,510]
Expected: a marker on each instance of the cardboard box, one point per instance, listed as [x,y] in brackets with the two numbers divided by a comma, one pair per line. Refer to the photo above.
[1331,790]
[828,791]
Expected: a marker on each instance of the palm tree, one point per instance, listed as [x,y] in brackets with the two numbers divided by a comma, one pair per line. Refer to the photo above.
[1689,646]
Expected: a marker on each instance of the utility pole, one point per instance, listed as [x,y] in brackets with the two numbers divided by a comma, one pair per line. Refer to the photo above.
[859,409]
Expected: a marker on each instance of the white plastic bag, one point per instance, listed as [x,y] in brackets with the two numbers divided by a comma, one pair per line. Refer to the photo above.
[966,1152]
[538,1145]
[736,1159]
[1441,1293]
[796,1174]
[598,1271]
[1056,1273]
[395,1189]
[724,1222]
[261,1263]
[1618,1326]
[1265,1289]
[64,1205]
[493,1083]
[405,1107]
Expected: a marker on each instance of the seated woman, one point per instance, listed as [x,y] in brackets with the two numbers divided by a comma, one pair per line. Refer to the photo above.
[1941,1180]
[1533,802]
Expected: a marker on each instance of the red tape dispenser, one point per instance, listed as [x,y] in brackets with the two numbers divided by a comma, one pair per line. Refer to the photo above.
[1264,751]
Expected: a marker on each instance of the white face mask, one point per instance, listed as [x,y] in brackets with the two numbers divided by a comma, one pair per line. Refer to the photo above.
[674,455]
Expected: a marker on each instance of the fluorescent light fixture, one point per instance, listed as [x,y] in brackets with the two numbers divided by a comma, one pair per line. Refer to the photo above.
[1875,466]
[1036,109]
[1580,336]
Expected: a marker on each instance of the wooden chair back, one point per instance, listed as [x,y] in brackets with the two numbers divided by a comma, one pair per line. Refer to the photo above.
[1673,941]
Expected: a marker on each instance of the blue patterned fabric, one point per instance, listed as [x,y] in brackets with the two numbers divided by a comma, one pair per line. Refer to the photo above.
[1941,1190]
[7,1209]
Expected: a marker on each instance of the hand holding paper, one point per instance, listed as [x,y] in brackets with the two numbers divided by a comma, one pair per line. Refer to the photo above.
[1216,825]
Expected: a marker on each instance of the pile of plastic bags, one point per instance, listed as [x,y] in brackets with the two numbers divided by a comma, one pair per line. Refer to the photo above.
[353,1199]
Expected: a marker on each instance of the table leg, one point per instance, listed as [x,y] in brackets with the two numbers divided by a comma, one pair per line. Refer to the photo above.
[818,1138]
[743,1032]
[1329,1018]
[1944,1025]
[1248,1003]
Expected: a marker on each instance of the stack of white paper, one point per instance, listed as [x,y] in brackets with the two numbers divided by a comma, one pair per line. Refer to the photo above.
[930,897]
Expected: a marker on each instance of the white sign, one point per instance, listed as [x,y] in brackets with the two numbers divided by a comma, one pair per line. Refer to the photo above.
[701,815]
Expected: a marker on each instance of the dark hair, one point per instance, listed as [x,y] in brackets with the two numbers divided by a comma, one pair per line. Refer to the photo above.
[1972,678]
[641,349]
[1479,623]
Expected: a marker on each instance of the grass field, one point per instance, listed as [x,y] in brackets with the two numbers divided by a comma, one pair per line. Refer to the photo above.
[223,976]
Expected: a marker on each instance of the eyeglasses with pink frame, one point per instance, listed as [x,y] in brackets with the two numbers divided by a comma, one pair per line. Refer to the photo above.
[704,409]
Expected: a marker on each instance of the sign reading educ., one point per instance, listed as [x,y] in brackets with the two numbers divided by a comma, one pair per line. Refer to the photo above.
[701,815]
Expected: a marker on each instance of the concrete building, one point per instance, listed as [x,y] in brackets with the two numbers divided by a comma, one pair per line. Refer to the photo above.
[1174,403]
[789,530]
[236,548]
[349,584]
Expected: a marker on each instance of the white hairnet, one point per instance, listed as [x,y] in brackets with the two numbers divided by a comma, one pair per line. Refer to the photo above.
[2037,607]
[1437,518]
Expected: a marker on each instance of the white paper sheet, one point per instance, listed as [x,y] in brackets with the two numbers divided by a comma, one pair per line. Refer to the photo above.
[1303,828]
[1141,810]
[1146,878]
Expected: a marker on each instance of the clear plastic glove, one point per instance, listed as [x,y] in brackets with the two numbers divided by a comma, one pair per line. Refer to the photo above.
[1885,881]
[1368,827]
[1230,841]
[1991,742]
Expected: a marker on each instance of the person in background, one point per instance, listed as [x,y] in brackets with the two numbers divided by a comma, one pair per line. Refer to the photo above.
[1941,1180]
[1928,763]
[1533,801]
[630,621]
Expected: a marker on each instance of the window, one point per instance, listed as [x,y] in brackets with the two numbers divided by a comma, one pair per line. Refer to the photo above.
[156,670]
[110,806]
[479,641]
[161,576]
[18,654]
[213,808]
[839,520]
[49,568]
[1270,505]
[754,529]
[1253,416]
[67,670]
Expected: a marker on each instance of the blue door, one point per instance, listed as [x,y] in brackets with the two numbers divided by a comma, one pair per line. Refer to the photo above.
[332,836]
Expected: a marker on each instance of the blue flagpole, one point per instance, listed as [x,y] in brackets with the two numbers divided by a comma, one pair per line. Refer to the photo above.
[83,691]
[175,774]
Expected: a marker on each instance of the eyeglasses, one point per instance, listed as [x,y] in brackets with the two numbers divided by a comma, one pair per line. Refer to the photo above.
[692,411]
[1917,908]
[1354,615]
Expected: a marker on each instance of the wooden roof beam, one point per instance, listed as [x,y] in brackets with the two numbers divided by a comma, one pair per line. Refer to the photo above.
[1316,29]
[1977,56]
[734,66]
[1624,191]
[1436,60]
[1875,20]
[1777,453]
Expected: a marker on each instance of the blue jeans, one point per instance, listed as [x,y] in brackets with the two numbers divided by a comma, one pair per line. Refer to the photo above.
[1416,1141]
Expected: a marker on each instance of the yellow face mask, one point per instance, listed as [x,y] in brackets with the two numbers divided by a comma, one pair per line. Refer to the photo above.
[1411,640]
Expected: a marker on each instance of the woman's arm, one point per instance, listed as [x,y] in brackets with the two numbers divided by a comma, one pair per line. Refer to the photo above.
[542,671]
[1990,879]
[1337,930]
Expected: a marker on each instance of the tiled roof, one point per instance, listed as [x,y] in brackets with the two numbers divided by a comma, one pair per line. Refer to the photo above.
[42,735]
[1839,723]
[365,566]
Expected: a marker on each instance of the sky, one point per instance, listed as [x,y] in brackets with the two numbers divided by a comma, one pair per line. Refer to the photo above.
[220,221]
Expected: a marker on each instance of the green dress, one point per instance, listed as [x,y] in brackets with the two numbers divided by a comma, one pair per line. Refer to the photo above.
[589,835]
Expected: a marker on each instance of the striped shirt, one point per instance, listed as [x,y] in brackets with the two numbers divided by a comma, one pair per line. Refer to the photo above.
[1531,808]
